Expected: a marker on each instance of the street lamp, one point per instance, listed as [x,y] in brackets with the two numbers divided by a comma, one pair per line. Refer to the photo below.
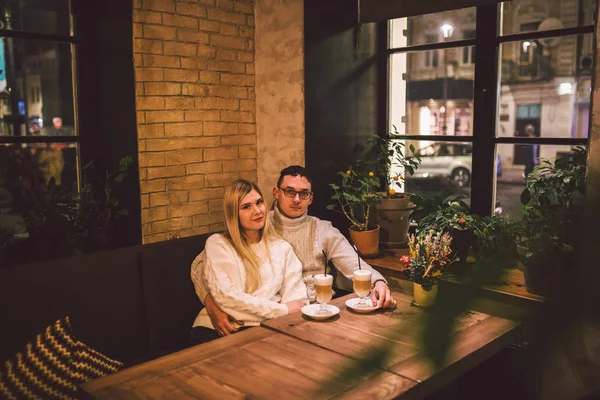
[447,29]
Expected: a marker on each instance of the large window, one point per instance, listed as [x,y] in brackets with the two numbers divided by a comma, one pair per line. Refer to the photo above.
[512,86]
[39,141]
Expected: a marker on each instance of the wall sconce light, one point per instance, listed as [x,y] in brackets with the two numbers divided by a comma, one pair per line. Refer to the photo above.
[565,88]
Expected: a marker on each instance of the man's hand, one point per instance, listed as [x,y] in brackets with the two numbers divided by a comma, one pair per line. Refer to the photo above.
[220,320]
[295,305]
[381,296]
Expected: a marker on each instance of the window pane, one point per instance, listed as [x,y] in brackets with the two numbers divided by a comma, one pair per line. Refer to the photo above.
[431,97]
[36,92]
[514,161]
[47,16]
[545,88]
[433,28]
[25,170]
[444,165]
[520,16]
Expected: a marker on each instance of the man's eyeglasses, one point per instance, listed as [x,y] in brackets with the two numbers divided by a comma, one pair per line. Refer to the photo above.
[291,193]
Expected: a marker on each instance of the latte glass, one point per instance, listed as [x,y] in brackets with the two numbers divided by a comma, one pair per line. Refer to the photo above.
[323,286]
[362,286]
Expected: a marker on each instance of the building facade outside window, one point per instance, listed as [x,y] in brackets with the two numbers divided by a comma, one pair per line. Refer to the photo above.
[544,53]
[39,141]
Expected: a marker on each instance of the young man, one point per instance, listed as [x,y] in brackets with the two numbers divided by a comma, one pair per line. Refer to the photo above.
[309,237]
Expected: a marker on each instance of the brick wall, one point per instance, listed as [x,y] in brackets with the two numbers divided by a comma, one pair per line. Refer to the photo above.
[195,91]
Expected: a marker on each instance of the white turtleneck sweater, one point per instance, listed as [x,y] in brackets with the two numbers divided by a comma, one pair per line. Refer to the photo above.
[309,237]
[220,269]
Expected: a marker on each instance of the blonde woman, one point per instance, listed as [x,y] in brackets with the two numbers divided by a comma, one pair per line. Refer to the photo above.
[251,274]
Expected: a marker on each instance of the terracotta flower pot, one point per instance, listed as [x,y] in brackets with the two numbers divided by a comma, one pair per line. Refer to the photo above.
[425,298]
[367,242]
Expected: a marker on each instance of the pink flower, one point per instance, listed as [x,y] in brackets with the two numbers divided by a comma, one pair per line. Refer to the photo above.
[405,260]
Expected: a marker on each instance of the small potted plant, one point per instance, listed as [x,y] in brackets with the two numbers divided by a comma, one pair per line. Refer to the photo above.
[553,206]
[448,213]
[385,157]
[355,197]
[430,255]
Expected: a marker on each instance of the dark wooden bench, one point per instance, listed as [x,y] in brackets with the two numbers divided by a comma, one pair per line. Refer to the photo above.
[133,304]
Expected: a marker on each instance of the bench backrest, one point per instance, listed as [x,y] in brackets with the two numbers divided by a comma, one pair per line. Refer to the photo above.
[132,304]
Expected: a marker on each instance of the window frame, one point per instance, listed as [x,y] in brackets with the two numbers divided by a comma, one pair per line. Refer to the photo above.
[486,85]
[70,39]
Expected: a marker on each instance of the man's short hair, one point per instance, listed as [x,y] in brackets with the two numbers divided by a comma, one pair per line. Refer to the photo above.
[293,170]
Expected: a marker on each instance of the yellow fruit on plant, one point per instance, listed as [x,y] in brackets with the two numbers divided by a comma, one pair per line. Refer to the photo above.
[371,174]
[348,172]
[392,192]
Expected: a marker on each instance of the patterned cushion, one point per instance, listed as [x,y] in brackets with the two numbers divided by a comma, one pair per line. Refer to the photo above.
[90,364]
[52,366]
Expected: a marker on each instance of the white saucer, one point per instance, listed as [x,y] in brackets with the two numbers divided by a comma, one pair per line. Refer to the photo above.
[351,304]
[311,311]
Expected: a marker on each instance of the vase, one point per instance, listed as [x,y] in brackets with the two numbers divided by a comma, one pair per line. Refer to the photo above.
[367,242]
[393,216]
[425,298]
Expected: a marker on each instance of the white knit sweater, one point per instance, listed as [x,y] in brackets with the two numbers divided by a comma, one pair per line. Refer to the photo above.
[220,269]
[309,237]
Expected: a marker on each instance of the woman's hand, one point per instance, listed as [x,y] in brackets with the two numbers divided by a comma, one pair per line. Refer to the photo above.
[295,305]
[219,319]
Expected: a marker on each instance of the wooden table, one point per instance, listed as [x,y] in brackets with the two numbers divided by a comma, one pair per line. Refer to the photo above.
[298,358]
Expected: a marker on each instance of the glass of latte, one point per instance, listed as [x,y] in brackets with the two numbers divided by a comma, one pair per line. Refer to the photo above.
[323,285]
[362,286]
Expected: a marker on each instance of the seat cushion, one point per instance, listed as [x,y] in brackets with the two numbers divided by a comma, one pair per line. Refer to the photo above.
[42,369]
[100,292]
[171,302]
[53,365]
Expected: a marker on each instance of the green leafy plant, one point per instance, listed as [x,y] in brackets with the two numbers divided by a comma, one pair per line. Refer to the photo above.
[495,235]
[384,152]
[354,196]
[444,211]
[553,209]
[429,256]
[553,200]
[66,219]
[96,210]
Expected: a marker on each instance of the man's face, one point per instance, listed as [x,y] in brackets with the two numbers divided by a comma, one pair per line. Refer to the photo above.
[293,207]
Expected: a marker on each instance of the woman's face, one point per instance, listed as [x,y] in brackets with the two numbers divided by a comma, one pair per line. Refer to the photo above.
[253,212]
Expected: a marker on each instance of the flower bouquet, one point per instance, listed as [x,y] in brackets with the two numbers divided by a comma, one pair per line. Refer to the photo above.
[429,256]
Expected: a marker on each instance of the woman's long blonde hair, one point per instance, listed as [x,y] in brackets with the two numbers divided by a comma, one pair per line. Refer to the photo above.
[232,199]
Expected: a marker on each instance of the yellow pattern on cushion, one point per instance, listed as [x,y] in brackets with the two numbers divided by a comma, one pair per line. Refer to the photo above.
[52,366]
[89,364]
[43,369]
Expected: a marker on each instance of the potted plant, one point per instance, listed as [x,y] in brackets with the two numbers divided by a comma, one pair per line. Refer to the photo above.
[355,196]
[496,236]
[68,220]
[430,255]
[49,223]
[96,211]
[448,212]
[553,205]
[385,157]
